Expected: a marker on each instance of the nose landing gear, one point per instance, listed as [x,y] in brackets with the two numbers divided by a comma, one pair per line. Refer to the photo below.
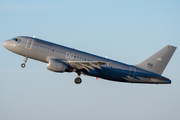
[23,64]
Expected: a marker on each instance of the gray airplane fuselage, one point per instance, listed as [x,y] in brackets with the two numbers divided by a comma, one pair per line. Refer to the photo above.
[113,70]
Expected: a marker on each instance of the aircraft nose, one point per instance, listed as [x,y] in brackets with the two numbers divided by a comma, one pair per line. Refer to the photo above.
[4,43]
[7,44]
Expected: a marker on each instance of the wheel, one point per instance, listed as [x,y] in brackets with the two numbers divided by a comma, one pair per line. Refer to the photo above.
[78,80]
[23,65]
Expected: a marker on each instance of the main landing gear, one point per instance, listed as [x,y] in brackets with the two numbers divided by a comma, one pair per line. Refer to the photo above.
[23,64]
[78,80]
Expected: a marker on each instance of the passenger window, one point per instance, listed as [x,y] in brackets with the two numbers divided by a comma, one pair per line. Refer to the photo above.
[67,55]
[72,55]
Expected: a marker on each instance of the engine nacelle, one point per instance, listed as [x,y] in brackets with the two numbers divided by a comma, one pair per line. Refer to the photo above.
[56,66]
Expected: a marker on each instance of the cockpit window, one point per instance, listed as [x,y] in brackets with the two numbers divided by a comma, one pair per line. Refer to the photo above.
[16,39]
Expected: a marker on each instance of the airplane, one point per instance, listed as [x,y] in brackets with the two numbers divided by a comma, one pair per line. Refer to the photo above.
[64,59]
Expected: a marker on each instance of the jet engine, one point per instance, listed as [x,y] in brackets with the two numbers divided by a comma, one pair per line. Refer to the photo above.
[57,66]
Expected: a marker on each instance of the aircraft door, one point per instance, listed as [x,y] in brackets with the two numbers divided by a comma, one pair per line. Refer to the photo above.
[29,44]
[132,72]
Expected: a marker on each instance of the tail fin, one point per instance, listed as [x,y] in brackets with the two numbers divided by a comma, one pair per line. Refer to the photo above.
[158,61]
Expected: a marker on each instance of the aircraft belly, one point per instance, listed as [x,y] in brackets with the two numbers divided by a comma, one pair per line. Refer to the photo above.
[113,74]
[93,73]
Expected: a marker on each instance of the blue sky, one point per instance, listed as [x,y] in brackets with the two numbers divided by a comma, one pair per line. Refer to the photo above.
[127,31]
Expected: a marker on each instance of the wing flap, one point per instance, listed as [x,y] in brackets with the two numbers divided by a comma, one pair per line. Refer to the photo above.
[86,64]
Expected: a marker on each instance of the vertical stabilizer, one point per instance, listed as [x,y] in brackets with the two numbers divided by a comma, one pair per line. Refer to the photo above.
[158,62]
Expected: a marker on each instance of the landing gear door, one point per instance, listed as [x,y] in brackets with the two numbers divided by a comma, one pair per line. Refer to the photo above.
[29,44]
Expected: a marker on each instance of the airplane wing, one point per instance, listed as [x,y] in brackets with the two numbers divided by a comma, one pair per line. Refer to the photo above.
[86,64]
[81,64]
